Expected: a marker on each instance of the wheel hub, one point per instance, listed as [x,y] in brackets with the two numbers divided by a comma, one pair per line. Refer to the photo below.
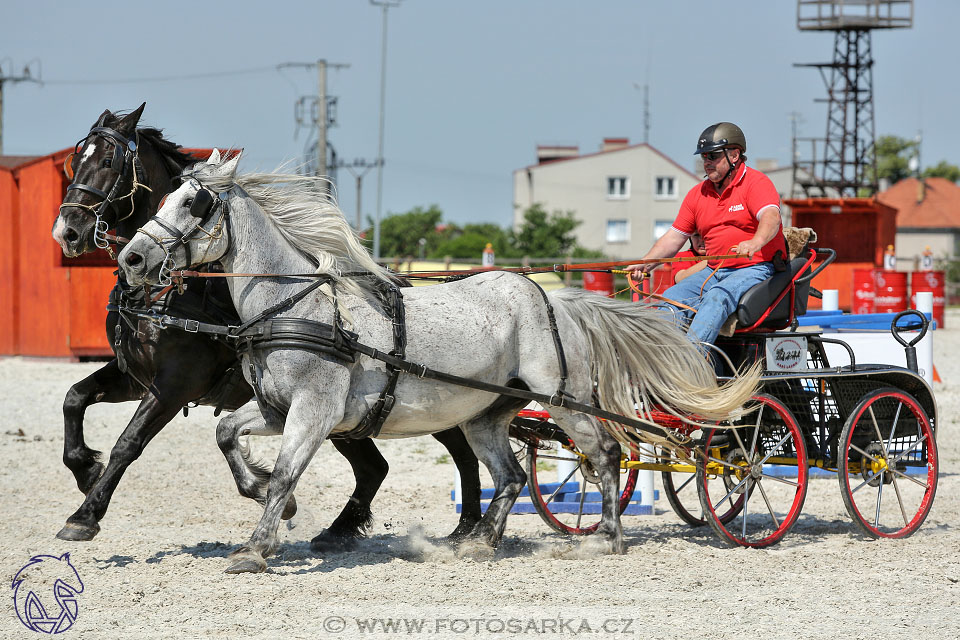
[873,469]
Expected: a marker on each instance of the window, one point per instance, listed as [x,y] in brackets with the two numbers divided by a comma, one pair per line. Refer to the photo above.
[618,187]
[660,227]
[618,231]
[665,188]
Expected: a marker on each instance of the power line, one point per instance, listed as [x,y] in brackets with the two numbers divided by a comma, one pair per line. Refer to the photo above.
[183,76]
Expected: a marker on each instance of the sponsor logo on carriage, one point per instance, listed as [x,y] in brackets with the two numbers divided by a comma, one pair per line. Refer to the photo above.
[45,594]
[736,207]
[786,354]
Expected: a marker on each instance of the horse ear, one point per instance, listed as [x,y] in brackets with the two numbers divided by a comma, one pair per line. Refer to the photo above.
[102,120]
[229,167]
[129,122]
[214,157]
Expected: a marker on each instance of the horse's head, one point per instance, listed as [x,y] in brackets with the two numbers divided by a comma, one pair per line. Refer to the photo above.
[190,227]
[102,168]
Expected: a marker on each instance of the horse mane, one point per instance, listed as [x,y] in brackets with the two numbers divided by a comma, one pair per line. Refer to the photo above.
[169,151]
[306,213]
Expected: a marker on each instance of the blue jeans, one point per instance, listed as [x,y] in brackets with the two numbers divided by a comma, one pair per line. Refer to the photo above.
[721,294]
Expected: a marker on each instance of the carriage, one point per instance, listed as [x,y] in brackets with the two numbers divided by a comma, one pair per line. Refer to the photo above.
[316,358]
[872,426]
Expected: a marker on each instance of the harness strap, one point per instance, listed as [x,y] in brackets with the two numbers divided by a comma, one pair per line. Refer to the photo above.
[558,345]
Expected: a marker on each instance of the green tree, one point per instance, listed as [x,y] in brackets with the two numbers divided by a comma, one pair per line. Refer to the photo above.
[893,157]
[469,242]
[400,233]
[543,235]
[943,169]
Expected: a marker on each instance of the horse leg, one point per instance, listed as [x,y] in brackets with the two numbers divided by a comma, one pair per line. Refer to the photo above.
[308,423]
[603,452]
[369,470]
[251,477]
[469,468]
[489,439]
[151,416]
[106,384]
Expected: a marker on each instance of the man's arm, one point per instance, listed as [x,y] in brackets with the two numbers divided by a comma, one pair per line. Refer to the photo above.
[769,226]
[666,247]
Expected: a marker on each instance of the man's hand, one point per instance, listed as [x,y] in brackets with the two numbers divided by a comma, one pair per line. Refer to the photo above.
[640,270]
[749,247]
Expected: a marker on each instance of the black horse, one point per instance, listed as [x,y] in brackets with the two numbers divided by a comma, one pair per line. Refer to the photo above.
[120,174]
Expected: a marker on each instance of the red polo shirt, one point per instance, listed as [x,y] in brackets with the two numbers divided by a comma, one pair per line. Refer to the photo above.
[725,220]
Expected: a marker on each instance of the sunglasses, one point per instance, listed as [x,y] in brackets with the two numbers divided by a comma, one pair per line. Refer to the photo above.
[712,156]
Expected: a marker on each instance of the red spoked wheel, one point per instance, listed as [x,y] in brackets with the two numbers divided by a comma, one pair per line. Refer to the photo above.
[888,464]
[564,487]
[760,462]
[680,489]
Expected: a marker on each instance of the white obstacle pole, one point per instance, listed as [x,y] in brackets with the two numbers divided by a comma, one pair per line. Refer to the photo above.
[566,464]
[645,479]
[925,346]
[831,300]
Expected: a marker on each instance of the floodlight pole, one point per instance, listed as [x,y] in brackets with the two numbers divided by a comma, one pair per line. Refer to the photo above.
[384,4]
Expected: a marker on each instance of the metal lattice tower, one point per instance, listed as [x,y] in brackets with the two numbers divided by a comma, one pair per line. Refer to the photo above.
[843,163]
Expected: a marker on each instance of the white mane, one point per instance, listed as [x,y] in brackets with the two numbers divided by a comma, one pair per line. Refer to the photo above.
[306,214]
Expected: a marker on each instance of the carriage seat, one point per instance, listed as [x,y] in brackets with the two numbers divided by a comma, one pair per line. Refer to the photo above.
[760,297]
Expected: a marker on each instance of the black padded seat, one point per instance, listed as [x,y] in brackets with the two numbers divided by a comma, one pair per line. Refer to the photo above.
[758,298]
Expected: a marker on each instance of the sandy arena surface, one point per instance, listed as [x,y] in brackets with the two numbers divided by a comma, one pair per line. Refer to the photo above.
[156,568]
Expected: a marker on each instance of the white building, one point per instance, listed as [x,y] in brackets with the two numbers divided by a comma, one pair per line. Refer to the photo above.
[625,195]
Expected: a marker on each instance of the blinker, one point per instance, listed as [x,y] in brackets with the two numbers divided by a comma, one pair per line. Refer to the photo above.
[201,205]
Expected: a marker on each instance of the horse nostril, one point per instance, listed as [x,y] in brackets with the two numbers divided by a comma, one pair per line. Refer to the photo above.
[71,236]
[134,259]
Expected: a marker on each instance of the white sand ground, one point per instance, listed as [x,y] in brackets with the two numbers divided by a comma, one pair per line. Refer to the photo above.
[156,569]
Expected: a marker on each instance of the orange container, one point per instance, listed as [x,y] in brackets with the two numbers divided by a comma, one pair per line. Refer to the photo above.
[932,281]
[864,291]
[891,291]
[599,281]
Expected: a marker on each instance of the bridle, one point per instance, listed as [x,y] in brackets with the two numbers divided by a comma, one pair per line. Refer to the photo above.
[204,206]
[126,162]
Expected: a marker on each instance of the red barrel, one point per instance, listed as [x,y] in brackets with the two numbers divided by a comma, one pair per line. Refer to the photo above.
[932,281]
[891,291]
[864,291]
[662,279]
[599,281]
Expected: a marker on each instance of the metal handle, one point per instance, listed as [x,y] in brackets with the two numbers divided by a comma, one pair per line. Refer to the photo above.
[908,347]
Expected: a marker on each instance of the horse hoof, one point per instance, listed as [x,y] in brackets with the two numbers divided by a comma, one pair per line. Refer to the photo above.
[247,562]
[86,482]
[327,542]
[474,549]
[78,532]
[289,509]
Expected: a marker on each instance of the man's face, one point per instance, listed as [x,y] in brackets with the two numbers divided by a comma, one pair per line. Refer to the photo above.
[715,164]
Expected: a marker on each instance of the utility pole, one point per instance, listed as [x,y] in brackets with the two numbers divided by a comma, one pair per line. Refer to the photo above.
[646,110]
[358,169]
[321,108]
[25,76]
[384,4]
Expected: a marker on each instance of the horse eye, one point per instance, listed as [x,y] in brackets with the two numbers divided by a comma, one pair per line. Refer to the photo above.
[187,203]
[106,162]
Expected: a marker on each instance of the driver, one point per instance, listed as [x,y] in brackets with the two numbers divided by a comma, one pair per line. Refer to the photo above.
[737,211]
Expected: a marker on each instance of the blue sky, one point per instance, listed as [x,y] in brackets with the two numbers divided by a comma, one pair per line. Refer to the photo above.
[472,88]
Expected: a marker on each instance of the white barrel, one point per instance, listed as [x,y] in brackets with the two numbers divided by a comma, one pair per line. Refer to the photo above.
[645,478]
[831,300]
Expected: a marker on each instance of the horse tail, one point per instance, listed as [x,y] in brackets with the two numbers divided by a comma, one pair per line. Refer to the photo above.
[642,361]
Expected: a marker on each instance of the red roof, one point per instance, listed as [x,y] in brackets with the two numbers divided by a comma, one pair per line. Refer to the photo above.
[12,162]
[933,203]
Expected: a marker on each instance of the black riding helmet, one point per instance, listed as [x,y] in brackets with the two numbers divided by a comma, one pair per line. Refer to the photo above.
[722,135]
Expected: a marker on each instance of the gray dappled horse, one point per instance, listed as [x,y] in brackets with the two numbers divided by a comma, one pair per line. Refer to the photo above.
[493,328]
[120,173]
